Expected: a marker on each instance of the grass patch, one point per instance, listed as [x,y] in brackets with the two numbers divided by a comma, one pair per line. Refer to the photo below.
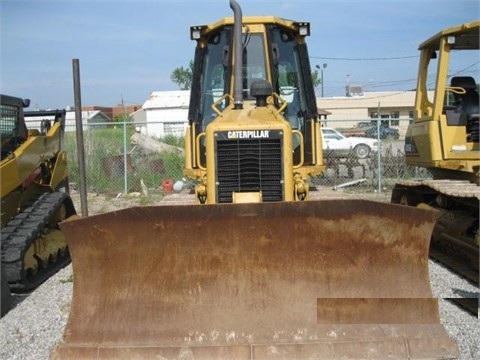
[108,152]
[67,280]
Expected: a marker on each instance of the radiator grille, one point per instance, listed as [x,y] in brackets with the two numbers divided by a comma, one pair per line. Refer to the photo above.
[249,165]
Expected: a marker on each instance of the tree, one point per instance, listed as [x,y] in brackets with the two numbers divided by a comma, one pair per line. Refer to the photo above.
[315,79]
[123,118]
[183,76]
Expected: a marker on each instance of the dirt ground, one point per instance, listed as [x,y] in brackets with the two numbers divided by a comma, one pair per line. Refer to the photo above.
[102,203]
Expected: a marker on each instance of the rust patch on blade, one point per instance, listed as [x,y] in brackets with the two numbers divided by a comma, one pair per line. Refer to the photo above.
[378,311]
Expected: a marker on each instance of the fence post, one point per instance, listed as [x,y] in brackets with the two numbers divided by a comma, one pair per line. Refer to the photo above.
[79,136]
[125,158]
[379,153]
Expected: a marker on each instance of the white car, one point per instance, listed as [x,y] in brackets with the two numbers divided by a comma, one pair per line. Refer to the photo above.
[337,144]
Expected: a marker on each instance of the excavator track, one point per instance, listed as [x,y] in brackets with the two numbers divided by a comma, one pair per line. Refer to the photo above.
[455,235]
[33,247]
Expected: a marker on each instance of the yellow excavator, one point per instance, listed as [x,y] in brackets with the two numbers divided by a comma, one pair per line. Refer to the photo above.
[255,269]
[444,138]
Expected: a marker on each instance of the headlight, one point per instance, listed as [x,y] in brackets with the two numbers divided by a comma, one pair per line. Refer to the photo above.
[304,29]
[196,32]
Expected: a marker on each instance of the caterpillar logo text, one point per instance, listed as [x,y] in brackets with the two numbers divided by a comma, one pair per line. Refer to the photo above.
[250,134]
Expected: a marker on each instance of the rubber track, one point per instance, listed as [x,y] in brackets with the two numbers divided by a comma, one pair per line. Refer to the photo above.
[19,234]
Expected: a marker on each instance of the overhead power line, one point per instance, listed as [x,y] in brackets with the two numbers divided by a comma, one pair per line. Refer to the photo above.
[365,59]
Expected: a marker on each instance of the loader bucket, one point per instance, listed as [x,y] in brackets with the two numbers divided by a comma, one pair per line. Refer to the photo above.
[331,279]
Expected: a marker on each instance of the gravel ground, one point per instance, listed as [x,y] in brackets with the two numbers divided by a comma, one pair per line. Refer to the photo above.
[35,326]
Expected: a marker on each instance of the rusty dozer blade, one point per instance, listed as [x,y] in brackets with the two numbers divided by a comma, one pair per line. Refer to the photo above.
[331,279]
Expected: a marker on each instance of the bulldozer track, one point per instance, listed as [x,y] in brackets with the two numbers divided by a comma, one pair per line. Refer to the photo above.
[470,305]
[462,268]
[19,234]
[449,257]
[454,241]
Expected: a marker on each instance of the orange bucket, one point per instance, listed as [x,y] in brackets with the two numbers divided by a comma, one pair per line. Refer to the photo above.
[167,185]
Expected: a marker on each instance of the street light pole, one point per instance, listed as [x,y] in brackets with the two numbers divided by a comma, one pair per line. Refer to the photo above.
[324,66]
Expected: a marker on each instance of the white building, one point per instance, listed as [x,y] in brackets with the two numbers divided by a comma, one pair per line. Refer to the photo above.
[394,108]
[164,113]
[88,118]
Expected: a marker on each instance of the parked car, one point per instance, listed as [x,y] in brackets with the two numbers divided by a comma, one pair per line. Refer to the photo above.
[385,133]
[358,130]
[337,144]
[364,124]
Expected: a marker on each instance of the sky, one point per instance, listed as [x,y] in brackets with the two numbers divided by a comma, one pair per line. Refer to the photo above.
[127,49]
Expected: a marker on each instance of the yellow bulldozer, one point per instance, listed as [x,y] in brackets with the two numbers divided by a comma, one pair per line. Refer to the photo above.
[444,138]
[34,194]
[255,269]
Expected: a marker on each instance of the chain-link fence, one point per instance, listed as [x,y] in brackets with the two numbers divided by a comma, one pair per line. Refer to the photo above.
[118,159]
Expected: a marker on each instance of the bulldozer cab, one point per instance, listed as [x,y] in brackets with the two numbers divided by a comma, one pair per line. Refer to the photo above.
[449,115]
[465,104]
[252,89]
[271,52]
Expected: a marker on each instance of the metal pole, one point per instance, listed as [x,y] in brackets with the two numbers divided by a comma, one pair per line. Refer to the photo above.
[379,154]
[125,158]
[324,65]
[321,71]
[82,180]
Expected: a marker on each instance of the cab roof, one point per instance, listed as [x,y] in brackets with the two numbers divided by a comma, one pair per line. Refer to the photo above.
[466,35]
[253,20]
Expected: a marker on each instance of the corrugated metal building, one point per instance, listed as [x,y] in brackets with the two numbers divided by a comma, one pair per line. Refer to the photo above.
[88,117]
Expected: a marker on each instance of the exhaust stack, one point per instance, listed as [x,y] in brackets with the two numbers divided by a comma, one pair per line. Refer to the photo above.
[237,69]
